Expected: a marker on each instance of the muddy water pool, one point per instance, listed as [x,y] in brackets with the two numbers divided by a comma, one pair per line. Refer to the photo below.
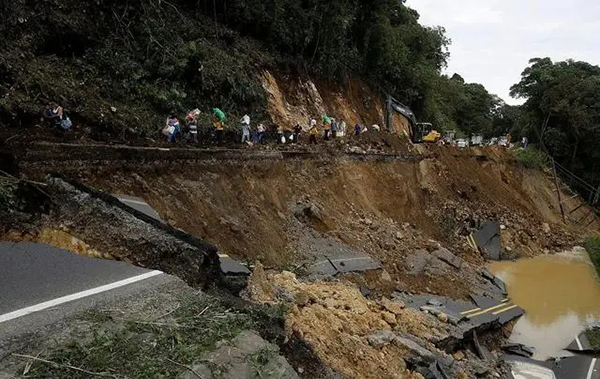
[560,295]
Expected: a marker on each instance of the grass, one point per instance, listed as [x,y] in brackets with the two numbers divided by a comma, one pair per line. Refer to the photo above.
[593,337]
[592,245]
[532,158]
[162,347]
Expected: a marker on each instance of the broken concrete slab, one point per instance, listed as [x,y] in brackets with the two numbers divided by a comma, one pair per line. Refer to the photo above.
[359,264]
[421,261]
[448,257]
[415,349]
[247,356]
[487,239]
[518,349]
[140,205]
[578,367]
[228,265]
[463,317]
[108,225]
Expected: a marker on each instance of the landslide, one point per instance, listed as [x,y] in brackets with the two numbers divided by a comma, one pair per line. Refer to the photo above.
[288,212]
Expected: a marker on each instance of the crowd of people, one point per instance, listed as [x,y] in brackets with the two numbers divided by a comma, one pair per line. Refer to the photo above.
[191,131]
[329,128]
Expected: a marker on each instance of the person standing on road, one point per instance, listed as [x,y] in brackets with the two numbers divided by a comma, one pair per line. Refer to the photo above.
[314,131]
[260,133]
[219,129]
[357,129]
[297,131]
[326,126]
[342,128]
[192,126]
[246,128]
[334,128]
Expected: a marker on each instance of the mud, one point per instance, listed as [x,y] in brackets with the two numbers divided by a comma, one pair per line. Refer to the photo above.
[561,297]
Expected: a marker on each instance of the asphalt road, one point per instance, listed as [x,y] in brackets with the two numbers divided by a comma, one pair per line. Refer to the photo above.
[31,274]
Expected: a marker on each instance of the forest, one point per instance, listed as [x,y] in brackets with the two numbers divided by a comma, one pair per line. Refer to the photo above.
[148,58]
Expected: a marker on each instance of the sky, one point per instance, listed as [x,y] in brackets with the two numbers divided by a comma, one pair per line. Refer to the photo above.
[492,40]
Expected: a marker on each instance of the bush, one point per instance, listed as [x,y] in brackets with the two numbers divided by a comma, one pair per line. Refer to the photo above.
[532,158]
[7,193]
[592,245]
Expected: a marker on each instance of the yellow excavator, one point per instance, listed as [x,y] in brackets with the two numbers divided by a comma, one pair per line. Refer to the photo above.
[419,131]
[424,132]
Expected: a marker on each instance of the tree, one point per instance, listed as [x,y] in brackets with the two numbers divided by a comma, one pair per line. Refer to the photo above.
[562,111]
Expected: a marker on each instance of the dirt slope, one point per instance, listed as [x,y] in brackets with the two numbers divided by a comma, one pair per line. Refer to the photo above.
[290,211]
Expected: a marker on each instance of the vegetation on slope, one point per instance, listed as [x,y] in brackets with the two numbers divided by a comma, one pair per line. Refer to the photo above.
[562,111]
[592,245]
[121,67]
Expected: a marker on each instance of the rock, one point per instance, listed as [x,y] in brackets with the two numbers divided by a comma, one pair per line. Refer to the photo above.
[486,274]
[459,355]
[381,338]
[366,292]
[395,307]
[415,349]
[399,236]
[388,317]
[434,302]
[302,298]
[242,358]
[367,221]
[259,288]
[446,256]
[385,276]
[442,317]
[113,109]
[198,370]
[546,228]
[502,227]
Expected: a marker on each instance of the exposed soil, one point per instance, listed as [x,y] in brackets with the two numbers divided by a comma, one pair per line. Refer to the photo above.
[255,209]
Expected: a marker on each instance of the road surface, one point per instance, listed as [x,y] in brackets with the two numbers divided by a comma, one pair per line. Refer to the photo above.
[39,283]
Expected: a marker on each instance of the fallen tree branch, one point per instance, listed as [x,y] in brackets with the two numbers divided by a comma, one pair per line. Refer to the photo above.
[103,374]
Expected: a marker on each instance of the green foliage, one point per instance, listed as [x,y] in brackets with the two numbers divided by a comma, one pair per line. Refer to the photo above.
[7,193]
[469,108]
[592,245]
[562,111]
[532,158]
[150,58]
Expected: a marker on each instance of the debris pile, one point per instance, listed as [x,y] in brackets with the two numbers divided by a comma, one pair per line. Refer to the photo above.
[364,338]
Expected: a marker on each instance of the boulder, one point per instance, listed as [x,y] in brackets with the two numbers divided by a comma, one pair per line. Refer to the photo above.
[381,338]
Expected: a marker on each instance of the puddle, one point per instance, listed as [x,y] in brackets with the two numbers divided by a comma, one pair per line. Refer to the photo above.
[560,295]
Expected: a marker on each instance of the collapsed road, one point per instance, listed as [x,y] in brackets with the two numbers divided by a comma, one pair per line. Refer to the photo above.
[121,232]
[40,284]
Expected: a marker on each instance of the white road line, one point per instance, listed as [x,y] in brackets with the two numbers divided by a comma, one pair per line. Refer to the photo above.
[591,369]
[578,343]
[132,201]
[79,295]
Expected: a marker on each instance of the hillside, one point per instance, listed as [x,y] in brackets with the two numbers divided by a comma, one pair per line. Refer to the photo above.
[119,69]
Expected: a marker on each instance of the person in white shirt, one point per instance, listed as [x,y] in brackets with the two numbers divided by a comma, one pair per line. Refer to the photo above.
[245,128]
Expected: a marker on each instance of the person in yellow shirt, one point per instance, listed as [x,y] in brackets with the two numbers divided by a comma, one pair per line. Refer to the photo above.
[219,128]
[314,132]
